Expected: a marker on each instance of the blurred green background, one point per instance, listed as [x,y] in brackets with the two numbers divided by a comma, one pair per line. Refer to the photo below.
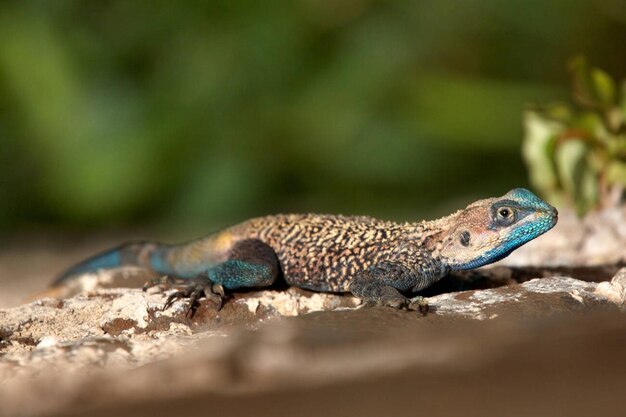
[185,116]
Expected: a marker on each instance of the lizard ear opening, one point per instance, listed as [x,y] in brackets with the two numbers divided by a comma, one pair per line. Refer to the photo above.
[464,238]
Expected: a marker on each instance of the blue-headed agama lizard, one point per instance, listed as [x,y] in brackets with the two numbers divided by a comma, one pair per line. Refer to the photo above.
[377,261]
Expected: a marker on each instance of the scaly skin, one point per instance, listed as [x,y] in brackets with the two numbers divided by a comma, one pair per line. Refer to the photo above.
[373,259]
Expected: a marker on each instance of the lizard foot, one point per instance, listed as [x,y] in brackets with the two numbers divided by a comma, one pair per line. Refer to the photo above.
[418,303]
[194,292]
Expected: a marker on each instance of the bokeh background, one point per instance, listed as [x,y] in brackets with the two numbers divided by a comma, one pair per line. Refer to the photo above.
[177,118]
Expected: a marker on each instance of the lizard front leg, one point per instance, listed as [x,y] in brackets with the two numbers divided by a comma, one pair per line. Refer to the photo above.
[381,284]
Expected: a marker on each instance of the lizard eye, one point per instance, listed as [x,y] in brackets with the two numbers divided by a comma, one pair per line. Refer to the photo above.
[505,216]
[504,212]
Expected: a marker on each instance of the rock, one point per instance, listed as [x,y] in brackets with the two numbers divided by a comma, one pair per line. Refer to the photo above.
[364,361]
[132,316]
[128,327]
[615,291]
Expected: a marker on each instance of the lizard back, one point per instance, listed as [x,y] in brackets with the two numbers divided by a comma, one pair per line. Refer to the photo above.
[323,252]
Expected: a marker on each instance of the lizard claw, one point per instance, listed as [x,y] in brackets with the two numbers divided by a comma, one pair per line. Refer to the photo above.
[194,292]
[218,289]
[216,294]
[418,303]
[163,282]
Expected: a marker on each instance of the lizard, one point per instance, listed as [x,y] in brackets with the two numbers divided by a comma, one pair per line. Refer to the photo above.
[381,262]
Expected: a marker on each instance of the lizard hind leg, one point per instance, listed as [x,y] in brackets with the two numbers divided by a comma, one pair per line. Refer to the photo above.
[250,263]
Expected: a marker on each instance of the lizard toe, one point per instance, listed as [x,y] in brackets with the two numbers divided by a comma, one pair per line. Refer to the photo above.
[419,303]
[194,291]
[164,282]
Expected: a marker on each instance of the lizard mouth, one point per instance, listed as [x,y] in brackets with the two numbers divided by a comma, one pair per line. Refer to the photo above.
[555,216]
[552,215]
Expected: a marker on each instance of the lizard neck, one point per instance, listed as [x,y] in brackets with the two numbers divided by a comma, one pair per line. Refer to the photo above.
[431,235]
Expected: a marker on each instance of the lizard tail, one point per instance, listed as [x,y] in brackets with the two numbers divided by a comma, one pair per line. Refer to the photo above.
[183,261]
[129,254]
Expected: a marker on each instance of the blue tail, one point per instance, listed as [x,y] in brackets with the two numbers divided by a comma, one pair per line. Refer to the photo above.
[129,254]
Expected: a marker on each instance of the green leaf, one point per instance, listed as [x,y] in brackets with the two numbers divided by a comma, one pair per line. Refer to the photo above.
[617,147]
[539,138]
[581,80]
[604,86]
[576,174]
[589,121]
[615,119]
[623,99]
[616,173]
[559,112]
[592,87]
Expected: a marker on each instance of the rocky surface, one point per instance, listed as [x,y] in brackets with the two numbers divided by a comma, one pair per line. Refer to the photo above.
[52,349]
[542,333]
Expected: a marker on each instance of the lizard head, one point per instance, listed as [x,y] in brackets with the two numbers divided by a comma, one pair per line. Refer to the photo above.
[489,230]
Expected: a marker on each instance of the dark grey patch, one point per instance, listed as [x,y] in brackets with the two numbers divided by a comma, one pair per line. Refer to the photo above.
[254,251]
[465,238]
